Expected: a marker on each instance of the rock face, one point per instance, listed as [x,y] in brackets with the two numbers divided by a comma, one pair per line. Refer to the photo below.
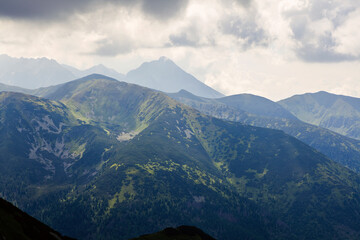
[337,113]
[15,224]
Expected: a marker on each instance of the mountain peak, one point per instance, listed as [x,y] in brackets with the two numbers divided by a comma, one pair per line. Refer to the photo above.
[164,75]
[164,59]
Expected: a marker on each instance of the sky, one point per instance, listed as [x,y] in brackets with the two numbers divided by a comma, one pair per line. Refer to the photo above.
[272,48]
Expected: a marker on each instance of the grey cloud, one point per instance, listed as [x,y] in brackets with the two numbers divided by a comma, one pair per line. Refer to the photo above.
[192,35]
[245,29]
[323,51]
[298,25]
[164,9]
[41,9]
[182,39]
[314,47]
[111,48]
[245,3]
[60,9]
[319,9]
[310,53]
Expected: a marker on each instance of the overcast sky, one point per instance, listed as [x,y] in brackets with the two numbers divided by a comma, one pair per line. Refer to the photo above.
[272,48]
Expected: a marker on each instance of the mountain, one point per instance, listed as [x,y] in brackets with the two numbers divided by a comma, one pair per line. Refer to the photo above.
[118,160]
[166,76]
[256,105]
[265,113]
[248,103]
[33,73]
[97,69]
[8,88]
[92,163]
[15,224]
[163,75]
[338,113]
[179,233]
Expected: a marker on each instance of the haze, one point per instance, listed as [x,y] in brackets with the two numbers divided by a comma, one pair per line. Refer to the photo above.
[270,48]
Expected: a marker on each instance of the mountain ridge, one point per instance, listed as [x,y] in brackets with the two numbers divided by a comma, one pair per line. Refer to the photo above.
[117,159]
[15,224]
[33,73]
[338,113]
[337,147]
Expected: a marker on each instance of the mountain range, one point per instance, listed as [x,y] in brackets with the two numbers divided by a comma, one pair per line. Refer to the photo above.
[338,113]
[163,75]
[34,73]
[258,111]
[116,159]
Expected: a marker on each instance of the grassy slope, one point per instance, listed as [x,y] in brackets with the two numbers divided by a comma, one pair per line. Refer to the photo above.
[338,113]
[335,146]
[183,167]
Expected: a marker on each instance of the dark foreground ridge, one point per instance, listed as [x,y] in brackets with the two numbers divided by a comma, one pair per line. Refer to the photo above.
[17,225]
[179,233]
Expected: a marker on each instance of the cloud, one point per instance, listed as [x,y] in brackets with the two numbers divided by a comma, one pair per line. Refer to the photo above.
[164,9]
[183,39]
[112,48]
[42,9]
[321,30]
[244,29]
[58,10]
[245,3]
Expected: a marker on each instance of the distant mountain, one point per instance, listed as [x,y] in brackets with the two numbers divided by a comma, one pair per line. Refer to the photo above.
[97,69]
[265,113]
[179,233]
[166,76]
[256,105]
[106,159]
[8,88]
[15,224]
[338,113]
[33,73]
[163,75]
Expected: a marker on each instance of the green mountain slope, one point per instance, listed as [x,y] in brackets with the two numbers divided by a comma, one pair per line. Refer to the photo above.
[256,105]
[17,225]
[68,172]
[335,146]
[4,87]
[137,161]
[338,113]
